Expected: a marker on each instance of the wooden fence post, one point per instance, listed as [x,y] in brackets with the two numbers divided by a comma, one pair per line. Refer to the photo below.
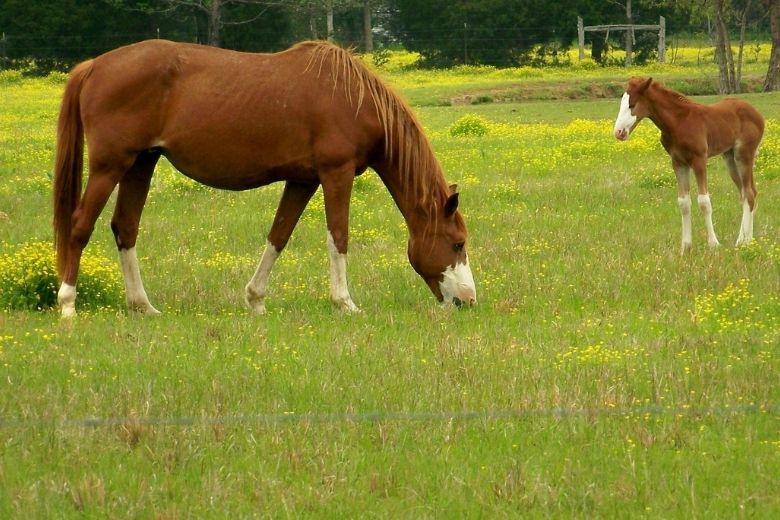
[581,37]
[662,40]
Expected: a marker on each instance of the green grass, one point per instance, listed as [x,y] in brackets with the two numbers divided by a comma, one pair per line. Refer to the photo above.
[600,375]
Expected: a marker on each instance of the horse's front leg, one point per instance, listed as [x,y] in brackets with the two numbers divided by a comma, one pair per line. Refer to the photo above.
[337,189]
[705,204]
[294,199]
[684,203]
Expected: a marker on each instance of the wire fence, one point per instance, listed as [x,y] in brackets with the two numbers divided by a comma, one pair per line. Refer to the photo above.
[397,417]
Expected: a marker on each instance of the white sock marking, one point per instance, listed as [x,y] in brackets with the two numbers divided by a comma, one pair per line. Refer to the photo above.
[258,285]
[706,208]
[339,293]
[136,297]
[66,297]
[685,210]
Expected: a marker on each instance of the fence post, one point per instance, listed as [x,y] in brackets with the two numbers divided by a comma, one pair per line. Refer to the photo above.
[581,37]
[662,40]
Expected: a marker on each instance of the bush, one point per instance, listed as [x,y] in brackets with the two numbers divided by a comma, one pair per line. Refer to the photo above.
[28,280]
[470,125]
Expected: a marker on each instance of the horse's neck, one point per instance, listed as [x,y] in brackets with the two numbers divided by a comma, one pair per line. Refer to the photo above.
[415,205]
[667,108]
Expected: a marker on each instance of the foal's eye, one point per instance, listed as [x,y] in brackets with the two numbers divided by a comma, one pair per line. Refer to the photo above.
[458,247]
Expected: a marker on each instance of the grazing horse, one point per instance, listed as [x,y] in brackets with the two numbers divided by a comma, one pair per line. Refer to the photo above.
[311,115]
[691,133]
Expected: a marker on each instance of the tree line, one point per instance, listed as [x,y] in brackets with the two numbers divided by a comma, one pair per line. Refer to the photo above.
[46,35]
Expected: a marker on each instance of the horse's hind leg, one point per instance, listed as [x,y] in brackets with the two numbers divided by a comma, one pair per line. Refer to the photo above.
[740,165]
[294,199]
[100,184]
[133,190]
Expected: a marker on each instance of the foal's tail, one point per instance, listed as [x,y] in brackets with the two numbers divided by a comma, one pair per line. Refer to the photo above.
[69,163]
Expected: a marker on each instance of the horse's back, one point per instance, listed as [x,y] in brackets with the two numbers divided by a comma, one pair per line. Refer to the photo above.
[746,115]
[212,110]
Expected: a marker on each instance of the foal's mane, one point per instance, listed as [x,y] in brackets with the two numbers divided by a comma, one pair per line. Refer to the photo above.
[405,142]
[672,94]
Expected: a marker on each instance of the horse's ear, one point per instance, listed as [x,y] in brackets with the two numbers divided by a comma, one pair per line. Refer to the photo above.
[645,85]
[453,189]
[451,205]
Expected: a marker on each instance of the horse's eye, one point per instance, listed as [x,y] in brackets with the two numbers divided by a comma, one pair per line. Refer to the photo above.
[459,247]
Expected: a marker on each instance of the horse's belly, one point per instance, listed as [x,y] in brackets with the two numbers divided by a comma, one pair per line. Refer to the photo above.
[228,173]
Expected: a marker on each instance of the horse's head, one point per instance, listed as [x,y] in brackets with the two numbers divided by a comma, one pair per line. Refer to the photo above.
[634,107]
[438,254]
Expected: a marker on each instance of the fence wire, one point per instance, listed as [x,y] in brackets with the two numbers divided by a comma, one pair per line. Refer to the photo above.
[383,416]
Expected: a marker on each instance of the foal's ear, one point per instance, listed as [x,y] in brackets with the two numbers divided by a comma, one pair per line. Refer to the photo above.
[644,86]
[453,189]
[451,205]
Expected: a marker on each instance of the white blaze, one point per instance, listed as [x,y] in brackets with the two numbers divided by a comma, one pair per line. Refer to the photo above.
[458,283]
[625,120]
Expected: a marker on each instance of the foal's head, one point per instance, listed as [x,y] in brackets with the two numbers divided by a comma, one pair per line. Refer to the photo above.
[634,107]
[438,254]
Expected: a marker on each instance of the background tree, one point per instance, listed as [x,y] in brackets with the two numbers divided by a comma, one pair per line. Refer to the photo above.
[772,81]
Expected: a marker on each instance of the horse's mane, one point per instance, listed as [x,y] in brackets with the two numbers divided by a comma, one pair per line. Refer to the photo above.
[677,96]
[405,142]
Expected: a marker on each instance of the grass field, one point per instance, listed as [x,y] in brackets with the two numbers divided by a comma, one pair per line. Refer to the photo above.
[600,375]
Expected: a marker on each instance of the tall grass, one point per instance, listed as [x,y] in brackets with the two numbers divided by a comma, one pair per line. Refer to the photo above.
[600,374]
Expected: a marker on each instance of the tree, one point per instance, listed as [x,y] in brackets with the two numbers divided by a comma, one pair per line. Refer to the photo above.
[723,52]
[214,11]
[772,81]
[55,34]
[493,32]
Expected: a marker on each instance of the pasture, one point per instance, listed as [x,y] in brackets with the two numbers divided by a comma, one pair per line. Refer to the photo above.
[601,374]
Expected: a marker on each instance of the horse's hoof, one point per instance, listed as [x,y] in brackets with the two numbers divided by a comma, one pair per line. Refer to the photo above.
[143,308]
[257,308]
[347,306]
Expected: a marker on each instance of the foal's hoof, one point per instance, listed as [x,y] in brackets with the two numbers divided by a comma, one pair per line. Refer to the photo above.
[685,248]
[143,308]
[714,244]
[346,306]
[256,307]
[255,302]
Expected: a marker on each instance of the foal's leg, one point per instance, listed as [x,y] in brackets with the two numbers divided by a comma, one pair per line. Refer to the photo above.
[684,202]
[133,189]
[337,189]
[295,197]
[100,184]
[700,169]
[740,165]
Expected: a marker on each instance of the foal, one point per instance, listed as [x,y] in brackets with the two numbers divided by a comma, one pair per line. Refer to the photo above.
[691,133]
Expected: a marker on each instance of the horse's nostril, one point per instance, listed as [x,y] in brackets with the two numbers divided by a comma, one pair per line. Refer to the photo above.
[457,301]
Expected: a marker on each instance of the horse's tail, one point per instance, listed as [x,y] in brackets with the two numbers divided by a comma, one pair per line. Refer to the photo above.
[69,162]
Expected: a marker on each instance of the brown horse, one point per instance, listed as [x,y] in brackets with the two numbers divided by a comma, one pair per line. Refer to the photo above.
[691,133]
[309,116]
